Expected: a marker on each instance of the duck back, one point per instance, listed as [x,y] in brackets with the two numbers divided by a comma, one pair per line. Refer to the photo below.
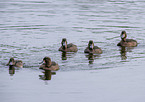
[70,48]
[96,50]
[128,43]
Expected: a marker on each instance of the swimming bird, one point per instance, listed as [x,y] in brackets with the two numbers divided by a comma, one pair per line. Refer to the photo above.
[92,49]
[126,42]
[49,65]
[15,63]
[67,47]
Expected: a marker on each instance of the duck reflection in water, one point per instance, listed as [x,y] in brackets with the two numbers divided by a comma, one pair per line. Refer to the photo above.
[11,70]
[91,57]
[66,55]
[123,53]
[124,50]
[47,75]
[63,56]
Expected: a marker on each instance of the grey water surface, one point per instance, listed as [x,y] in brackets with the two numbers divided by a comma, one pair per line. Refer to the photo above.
[33,29]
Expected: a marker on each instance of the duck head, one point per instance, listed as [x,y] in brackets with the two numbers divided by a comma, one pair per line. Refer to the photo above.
[11,62]
[47,61]
[123,36]
[64,43]
[91,45]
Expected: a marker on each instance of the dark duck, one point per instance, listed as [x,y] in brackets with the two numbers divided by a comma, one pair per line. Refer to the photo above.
[15,63]
[67,47]
[126,42]
[92,49]
[49,65]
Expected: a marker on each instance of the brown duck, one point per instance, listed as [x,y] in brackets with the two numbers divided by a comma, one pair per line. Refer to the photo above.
[15,63]
[67,47]
[126,42]
[92,49]
[49,65]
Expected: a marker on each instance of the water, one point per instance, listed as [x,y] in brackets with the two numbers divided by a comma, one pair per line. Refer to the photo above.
[31,30]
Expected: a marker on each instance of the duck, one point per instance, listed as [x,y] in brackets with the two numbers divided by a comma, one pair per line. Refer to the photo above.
[15,63]
[49,65]
[126,42]
[67,47]
[93,49]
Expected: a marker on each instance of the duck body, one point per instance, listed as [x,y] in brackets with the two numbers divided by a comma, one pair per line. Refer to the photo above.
[15,63]
[96,50]
[126,42]
[92,49]
[70,48]
[67,47]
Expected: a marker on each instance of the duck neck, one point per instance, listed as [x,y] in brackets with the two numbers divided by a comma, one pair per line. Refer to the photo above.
[124,39]
[48,64]
[91,47]
[11,63]
[11,67]
[64,45]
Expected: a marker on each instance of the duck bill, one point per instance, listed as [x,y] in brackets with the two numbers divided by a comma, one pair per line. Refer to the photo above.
[64,45]
[91,47]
